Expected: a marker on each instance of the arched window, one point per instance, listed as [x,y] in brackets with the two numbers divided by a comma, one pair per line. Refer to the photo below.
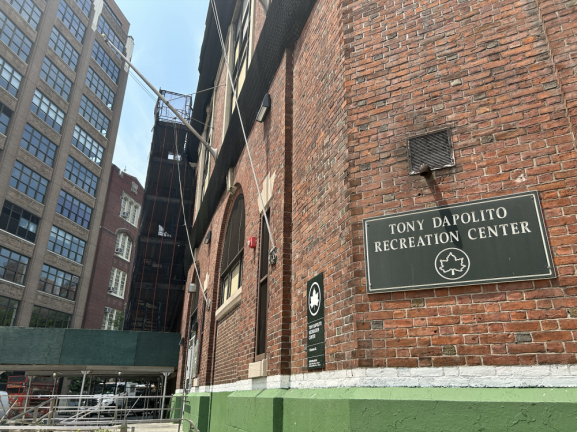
[231,265]
[123,246]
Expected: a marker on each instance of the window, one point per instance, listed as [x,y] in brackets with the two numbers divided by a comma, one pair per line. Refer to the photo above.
[123,246]
[206,157]
[65,244]
[49,318]
[19,222]
[28,182]
[232,254]
[134,188]
[262,302]
[240,53]
[73,209]
[113,14]
[58,282]
[129,210]
[99,87]
[69,18]
[13,266]
[9,78]
[105,62]
[14,38]
[27,10]
[55,78]
[117,284]
[47,111]
[85,6]
[38,145]
[8,309]
[96,118]
[80,176]
[112,319]
[104,28]
[5,116]
[87,145]
[63,48]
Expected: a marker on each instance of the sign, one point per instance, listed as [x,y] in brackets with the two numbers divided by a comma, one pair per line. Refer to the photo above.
[315,323]
[487,241]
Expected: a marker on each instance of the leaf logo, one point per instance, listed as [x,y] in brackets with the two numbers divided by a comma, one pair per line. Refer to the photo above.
[452,263]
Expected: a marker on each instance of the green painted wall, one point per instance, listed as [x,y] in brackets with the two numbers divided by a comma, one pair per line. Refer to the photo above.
[386,409]
[32,346]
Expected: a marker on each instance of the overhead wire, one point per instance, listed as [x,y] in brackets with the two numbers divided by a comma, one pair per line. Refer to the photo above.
[212,2]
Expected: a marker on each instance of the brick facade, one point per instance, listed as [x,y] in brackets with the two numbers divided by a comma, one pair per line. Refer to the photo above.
[363,77]
[112,224]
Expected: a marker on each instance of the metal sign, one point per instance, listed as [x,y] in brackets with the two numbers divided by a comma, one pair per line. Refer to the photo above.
[486,241]
[315,323]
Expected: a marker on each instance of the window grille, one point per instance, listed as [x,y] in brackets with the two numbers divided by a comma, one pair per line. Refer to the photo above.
[13,266]
[65,244]
[55,78]
[112,319]
[71,20]
[49,318]
[28,182]
[435,150]
[19,222]
[96,118]
[63,48]
[74,209]
[123,246]
[232,254]
[58,282]
[87,145]
[117,283]
[99,87]
[38,145]
[10,78]
[14,38]
[130,210]
[241,42]
[5,116]
[105,61]
[80,176]
[104,28]
[85,5]
[27,10]
[47,111]
[8,310]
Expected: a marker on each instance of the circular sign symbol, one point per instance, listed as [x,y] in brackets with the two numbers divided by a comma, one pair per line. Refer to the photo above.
[452,263]
[314,299]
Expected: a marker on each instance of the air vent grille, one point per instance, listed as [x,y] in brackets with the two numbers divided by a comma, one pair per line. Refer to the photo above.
[435,150]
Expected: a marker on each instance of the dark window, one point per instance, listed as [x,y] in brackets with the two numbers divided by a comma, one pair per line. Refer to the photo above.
[80,176]
[8,309]
[105,62]
[262,306]
[65,244]
[87,145]
[435,150]
[38,145]
[13,266]
[74,209]
[71,20]
[47,111]
[63,48]
[99,87]
[28,182]
[14,38]
[104,28]
[231,265]
[96,118]
[49,318]
[55,78]
[9,78]
[113,14]
[5,116]
[85,5]
[19,222]
[240,53]
[58,282]
[28,10]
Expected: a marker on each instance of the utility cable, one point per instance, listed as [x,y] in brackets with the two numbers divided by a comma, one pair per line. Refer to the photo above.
[241,122]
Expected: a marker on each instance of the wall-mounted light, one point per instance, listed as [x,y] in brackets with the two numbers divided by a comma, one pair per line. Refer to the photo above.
[208,238]
[264,108]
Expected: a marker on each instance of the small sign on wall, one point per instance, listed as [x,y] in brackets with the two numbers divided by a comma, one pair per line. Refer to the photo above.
[315,323]
[486,241]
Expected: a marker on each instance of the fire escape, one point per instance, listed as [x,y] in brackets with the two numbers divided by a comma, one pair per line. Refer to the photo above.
[159,277]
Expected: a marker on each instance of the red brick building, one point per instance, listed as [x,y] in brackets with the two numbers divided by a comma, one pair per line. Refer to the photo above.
[110,283]
[351,84]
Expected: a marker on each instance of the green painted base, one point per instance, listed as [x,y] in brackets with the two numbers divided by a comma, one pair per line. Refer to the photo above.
[383,409]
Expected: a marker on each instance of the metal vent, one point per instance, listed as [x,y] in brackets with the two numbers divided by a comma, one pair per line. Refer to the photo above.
[435,150]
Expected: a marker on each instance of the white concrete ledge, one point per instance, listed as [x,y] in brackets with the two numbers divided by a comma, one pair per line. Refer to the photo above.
[229,304]
[462,376]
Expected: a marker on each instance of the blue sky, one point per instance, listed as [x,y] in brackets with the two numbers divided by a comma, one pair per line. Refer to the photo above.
[167,39]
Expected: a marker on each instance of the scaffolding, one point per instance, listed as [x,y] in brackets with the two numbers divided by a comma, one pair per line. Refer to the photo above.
[159,277]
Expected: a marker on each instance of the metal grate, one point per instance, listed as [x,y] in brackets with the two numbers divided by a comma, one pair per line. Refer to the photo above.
[435,150]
